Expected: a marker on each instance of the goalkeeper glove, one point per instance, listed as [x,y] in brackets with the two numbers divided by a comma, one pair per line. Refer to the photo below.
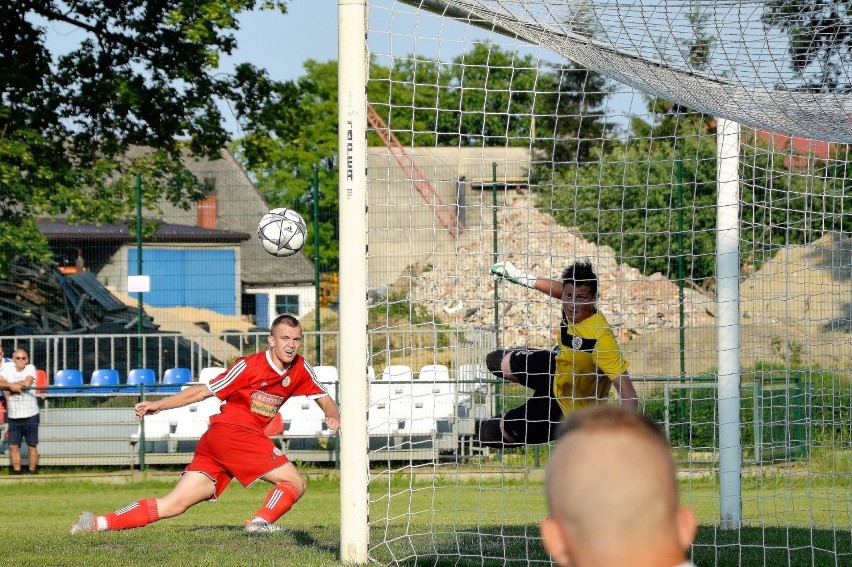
[509,271]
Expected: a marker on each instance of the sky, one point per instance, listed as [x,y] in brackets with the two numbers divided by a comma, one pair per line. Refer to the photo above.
[281,43]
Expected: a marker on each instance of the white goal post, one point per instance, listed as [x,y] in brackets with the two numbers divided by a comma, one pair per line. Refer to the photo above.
[710,187]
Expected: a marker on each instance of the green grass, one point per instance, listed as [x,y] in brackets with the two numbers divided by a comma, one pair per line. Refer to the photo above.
[413,523]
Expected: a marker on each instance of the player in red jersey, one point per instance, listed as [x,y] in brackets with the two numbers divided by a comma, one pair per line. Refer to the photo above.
[252,389]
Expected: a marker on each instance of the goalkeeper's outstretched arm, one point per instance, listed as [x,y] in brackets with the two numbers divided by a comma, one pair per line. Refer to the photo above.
[626,391]
[508,271]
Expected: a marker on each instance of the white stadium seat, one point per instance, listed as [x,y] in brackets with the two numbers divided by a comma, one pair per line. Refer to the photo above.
[209,373]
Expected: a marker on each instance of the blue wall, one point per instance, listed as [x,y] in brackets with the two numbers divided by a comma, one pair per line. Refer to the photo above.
[262,310]
[189,278]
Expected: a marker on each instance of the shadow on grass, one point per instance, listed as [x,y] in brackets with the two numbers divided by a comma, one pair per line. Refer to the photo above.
[772,545]
[306,539]
[521,545]
[484,546]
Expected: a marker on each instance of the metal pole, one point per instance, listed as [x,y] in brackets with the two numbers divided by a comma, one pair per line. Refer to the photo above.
[140,309]
[142,432]
[317,322]
[680,281]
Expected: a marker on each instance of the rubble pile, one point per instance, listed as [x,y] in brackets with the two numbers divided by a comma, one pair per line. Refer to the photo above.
[457,288]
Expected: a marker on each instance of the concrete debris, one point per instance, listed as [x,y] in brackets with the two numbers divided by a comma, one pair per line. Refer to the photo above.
[456,286]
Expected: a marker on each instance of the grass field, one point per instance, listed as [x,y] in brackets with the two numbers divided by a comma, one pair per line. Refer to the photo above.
[426,527]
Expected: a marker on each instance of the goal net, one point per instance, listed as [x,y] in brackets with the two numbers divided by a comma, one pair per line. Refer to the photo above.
[696,153]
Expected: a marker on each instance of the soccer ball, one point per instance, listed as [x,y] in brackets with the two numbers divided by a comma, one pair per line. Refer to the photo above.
[282,232]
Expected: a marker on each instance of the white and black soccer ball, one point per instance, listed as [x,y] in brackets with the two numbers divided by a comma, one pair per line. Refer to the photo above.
[282,232]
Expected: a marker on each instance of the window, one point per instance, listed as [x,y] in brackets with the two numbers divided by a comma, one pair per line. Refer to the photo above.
[287,304]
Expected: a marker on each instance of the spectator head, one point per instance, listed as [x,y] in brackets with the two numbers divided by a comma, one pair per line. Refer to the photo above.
[612,494]
[21,358]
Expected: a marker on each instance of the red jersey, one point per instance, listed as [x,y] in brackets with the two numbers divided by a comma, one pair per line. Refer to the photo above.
[253,389]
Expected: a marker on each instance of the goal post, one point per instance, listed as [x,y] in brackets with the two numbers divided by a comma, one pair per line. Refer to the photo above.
[352,139]
[728,327]
[662,143]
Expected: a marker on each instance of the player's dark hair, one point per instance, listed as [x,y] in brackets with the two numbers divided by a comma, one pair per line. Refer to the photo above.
[581,273]
[284,319]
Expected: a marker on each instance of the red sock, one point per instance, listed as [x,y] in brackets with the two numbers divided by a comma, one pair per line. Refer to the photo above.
[278,501]
[134,515]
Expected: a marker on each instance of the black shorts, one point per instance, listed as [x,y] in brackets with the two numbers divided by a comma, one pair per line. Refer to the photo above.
[538,419]
[24,428]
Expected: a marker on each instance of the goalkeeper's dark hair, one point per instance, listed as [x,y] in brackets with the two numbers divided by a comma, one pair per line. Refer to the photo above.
[581,273]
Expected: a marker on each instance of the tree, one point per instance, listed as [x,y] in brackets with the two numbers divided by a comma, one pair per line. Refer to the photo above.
[491,98]
[296,131]
[487,96]
[628,200]
[143,75]
[572,121]
[820,41]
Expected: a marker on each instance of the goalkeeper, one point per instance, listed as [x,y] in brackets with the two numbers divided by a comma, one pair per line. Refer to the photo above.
[579,372]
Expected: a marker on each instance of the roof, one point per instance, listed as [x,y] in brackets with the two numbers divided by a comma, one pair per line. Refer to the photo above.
[240,207]
[60,229]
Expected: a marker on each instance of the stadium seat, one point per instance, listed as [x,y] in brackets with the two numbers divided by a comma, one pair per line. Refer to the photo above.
[41,381]
[380,423]
[397,396]
[302,418]
[158,429]
[174,378]
[434,373]
[193,423]
[209,373]
[471,376]
[106,380]
[327,376]
[420,426]
[70,379]
[142,376]
[397,372]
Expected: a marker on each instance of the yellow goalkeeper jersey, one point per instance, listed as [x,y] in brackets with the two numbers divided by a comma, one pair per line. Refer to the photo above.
[588,361]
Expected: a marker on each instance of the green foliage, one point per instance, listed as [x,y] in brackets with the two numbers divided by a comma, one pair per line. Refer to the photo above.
[294,133]
[144,74]
[630,199]
[803,410]
[484,97]
[819,41]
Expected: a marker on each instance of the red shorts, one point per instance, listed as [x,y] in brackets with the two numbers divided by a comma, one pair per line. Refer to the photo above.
[229,451]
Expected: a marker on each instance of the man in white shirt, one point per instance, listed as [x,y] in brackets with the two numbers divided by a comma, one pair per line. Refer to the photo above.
[17,380]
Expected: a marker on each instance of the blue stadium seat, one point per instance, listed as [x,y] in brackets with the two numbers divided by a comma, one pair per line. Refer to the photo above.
[106,380]
[174,378]
[69,379]
[144,376]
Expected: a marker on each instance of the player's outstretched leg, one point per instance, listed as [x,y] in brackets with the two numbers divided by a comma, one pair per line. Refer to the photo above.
[289,487]
[134,515]
[494,362]
[491,434]
[192,488]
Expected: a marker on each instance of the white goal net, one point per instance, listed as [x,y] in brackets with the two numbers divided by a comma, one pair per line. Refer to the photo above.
[549,131]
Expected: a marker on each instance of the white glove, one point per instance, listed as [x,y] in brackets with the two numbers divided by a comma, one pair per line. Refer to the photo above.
[510,272]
